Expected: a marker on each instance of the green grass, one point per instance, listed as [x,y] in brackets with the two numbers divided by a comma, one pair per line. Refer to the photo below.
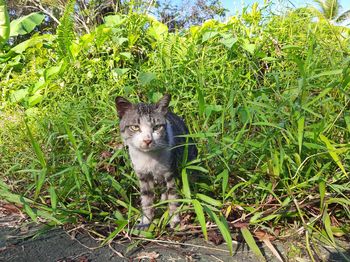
[265,97]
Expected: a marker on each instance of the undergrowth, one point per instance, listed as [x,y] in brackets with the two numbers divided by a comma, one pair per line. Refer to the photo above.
[266,98]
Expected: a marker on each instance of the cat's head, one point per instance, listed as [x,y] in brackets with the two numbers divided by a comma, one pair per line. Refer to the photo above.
[144,126]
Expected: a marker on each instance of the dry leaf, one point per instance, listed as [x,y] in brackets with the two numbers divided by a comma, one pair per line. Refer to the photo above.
[150,255]
[261,235]
[82,259]
[105,154]
[240,224]
[214,237]
[10,208]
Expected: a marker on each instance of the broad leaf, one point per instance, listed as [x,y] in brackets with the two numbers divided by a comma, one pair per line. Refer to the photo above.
[4,22]
[209,35]
[146,77]
[26,24]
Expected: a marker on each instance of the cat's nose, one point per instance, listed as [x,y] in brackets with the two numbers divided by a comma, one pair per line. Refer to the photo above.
[147,141]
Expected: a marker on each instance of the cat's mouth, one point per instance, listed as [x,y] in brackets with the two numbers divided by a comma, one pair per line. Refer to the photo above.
[147,148]
[150,147]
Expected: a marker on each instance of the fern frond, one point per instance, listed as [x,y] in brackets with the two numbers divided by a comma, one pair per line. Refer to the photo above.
[65,31]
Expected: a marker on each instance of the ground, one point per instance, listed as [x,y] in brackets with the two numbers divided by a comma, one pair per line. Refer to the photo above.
[23,241]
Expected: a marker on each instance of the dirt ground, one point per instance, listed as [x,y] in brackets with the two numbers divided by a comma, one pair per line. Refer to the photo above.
[23,242]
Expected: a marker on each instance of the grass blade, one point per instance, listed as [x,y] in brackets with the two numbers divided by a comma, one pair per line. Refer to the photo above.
[53,198]
[327,224]
[209,200]
[185,184]
[301,123]
[224,175]
[332,152]
[322,189]
[249,239]
[200,215]
[40,182]
[120,227]
[40,155]
[38,152]
[29,210]
[347,121]
[222,225]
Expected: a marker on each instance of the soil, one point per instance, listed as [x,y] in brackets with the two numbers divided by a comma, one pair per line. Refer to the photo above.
[21,241]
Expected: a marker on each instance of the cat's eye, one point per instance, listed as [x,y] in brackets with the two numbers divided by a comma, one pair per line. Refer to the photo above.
[158,128]
[134,128]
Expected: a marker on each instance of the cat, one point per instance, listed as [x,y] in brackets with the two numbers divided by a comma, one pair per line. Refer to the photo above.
[151,133]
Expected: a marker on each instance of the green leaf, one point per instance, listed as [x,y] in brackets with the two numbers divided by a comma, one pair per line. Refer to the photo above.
[35,99]
[322,189]
[29,210]
[327,224]
[249,239]
[224,175]
[126,55]
[200,215]
[26,24]
[301,123]
[146,77]
[222,225]
[120,71]
[70,135]
[198,168]
[209,35]
[185,184]
[319,96]
[121,226]
[4,22]
[19,95]
[40,182]
[119,40]
[249,47]
[229,41]
[199,88]
[327,73]
[143,233]
[157,30]
[20,48]
[52,71]
[39,153]
[53,197]
[209,200]
[118,187]
[347,120]
[333,152]
[3,185]
[113,20]
[269,59]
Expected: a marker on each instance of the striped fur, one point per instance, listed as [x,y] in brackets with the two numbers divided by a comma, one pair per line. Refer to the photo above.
[151,133]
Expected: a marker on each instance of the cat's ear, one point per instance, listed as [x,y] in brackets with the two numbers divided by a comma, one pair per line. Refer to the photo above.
[163,103]
[122,105]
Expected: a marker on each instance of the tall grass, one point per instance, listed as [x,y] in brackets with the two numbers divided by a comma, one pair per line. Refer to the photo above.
[266,100]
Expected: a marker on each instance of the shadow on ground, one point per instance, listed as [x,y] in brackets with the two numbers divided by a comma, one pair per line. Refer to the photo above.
[57,245]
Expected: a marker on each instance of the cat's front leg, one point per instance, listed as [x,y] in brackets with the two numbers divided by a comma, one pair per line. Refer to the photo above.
[172,195]
[147,198]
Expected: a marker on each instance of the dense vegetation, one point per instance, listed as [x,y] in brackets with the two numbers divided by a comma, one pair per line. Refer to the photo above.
[266,98]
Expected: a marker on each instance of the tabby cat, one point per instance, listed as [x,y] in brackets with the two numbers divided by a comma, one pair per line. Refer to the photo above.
[151,133]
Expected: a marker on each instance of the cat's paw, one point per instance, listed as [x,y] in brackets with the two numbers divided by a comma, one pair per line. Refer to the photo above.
[143,223]
[142,226]
[164,196]
[174,221]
